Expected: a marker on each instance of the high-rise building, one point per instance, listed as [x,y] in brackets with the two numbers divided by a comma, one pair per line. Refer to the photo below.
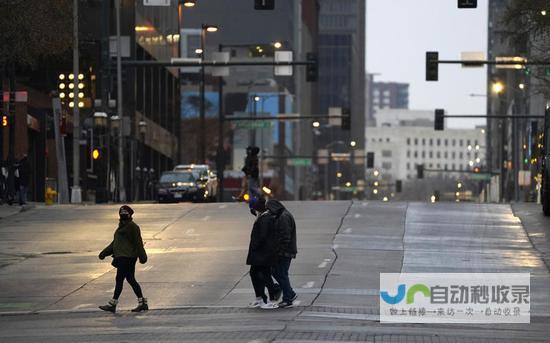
[253,35]
[385,95]
[342,73]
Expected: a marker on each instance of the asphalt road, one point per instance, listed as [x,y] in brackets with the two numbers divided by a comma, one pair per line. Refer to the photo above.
[51,280]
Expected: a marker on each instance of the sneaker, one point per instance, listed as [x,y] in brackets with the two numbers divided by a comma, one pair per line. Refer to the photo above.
[110,307]
[285,304]
[256,303]
[294,297]
[269,306]
[142,305]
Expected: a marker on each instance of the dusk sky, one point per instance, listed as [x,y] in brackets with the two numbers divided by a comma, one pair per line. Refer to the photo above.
[399,32]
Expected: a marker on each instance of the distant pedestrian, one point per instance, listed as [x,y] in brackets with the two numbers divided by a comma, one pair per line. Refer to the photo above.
[3,182]
[22,174]
[252,172]
[262,256]
[286,249]
[126,249]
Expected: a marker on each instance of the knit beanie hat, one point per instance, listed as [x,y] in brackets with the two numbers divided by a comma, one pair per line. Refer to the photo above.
[125,212]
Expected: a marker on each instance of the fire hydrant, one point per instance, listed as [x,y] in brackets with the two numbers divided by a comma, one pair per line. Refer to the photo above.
[50,196]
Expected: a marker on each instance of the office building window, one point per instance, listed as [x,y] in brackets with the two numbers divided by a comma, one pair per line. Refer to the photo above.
[408,166]
[461,143]
[431,154]
[454,142]
[423,141]
[438,155]
[460,155]
[386,153]
[408,153]
[388,140]
[416,154]
[423,154]
[386,165]
[446,142]
[408,141]
[438,142]
[445,155]
[431,142]
[453,155]
[416,141]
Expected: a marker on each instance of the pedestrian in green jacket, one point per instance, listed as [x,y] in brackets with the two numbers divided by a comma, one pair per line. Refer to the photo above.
[126,248]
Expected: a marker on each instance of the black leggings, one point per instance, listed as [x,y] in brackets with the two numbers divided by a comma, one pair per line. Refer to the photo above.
[126,269]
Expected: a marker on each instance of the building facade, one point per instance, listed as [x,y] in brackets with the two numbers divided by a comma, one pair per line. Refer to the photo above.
[342,51]
[385,95]
[407,139]
[250,35]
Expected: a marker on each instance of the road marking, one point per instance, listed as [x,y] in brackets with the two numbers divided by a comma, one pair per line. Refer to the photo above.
[309,284]
[335,246]
[190,231]
[324,263]
[82,306]
[147,268]
[222,206]
[364,204]
[297,302]
[348,230]
[357,215]
[206,218]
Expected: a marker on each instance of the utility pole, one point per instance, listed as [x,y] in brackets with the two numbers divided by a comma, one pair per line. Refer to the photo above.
[76,193]
[121,186]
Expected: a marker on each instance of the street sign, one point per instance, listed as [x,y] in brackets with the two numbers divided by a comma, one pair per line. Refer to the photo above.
[520,60]
[299,162]
[156,2]
[335,112]
[283,56]
[322,156]
[480,177]
[222,57]
[340,156]
[472,56]
[254,124]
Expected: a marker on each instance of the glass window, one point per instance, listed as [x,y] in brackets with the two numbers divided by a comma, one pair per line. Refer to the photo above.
[386,165]
[431,142]
[438,142]
[446,142]
[438,155]
[461,155]
[454,142]
[423,154]
[408,166]
[453,155]
[445,155]
[386,153]
[423,141]
[408,153]
[408,141]
[415,154]
[416,141]
[431,154]
[388,139]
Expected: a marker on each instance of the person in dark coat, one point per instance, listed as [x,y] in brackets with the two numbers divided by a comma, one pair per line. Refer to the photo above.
[126,248]
[262,255]
[252,171]
[23,171]
[286,249]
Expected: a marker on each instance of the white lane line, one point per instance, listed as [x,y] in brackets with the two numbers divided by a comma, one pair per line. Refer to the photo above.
[146,268]
[364,204]
[206,218]
[222,206]
[335,246]
[308,284]
[348,230]
[357,215]
[324,263]
[189,231]
[82,306]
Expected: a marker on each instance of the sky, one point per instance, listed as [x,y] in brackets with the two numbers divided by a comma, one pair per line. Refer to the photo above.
[399,32]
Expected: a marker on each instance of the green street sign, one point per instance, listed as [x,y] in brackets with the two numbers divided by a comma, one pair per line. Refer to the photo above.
[480,177]
[299,162]
[254,124]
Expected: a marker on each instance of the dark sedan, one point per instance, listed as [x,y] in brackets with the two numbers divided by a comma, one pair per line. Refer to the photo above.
[179,186]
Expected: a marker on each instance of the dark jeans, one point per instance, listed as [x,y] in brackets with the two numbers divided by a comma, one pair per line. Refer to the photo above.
[253,187]
[126,269]
[280,272]
[23,194]
[261,278]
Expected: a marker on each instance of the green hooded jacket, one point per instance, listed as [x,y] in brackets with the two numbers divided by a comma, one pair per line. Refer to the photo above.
[127,242]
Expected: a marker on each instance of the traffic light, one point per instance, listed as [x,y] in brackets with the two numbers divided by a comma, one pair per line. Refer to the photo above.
[439,122]
[432,66]
[264,4]
[96,154]
[398,186]
[5,121]
[467,3]
[346,119]
[312,70]
[419,171]
[370,159]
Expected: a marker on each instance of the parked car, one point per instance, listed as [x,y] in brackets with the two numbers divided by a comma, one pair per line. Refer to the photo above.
[204,176]
[175,186]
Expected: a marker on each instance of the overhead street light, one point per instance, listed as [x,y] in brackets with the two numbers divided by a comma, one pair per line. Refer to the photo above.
[189,3]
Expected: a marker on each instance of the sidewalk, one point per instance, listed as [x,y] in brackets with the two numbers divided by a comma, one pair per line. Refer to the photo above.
[7,210]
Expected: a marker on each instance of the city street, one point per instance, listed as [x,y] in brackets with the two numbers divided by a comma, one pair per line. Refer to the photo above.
[198,285]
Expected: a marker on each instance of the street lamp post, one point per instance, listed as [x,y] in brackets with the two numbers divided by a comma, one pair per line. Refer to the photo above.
[100,123]
[202,146]
[141,163]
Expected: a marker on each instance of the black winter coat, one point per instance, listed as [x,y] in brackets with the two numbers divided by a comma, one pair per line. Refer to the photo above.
[263,242]
[286,229]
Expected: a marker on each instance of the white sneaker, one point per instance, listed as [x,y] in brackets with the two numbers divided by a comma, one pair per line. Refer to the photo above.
[256,303]
[269,306]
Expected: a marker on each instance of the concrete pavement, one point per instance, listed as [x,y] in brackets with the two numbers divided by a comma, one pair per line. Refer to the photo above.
[198,286]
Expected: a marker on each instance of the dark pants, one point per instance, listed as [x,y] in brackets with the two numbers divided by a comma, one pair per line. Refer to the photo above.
[261,278]
[126,269]
[280,272]
[23,194]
